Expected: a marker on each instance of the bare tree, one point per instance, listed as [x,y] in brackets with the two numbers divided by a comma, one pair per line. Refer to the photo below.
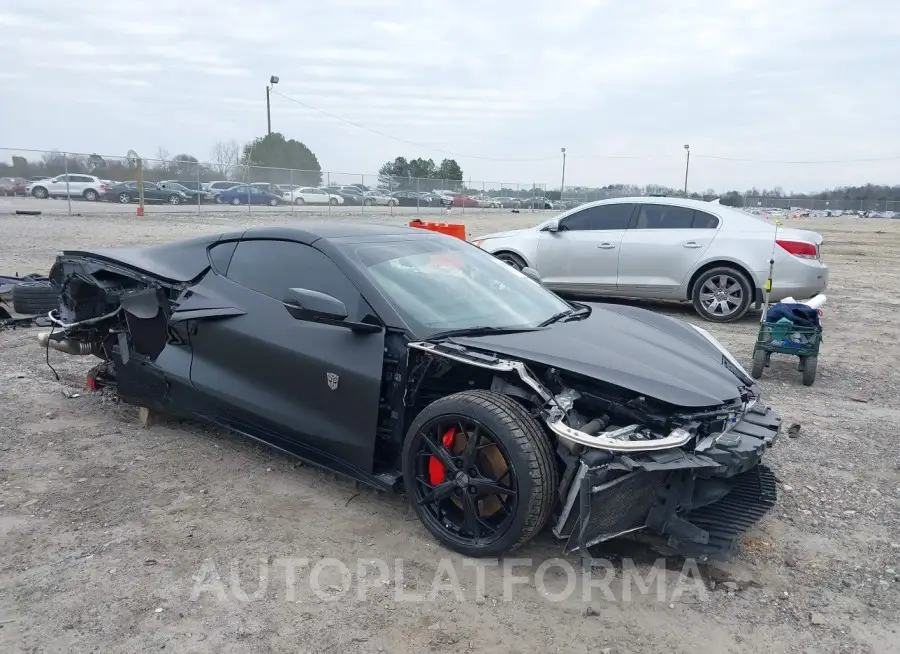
[162,156]
[226,157]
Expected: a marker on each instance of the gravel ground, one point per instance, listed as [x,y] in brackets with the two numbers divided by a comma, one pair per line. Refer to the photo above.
[107,527]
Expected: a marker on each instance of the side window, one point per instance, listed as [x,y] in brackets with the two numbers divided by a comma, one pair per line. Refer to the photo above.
[61,179]
[603,217]
[662,216]
[703,220]
[149,185]
[220,256]
[272,267]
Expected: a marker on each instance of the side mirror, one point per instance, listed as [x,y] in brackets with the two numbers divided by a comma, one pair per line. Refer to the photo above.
[304,304]
[532,274]
[54,180]
[552,227]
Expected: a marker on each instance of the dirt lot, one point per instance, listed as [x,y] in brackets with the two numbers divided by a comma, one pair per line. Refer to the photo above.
[108,527]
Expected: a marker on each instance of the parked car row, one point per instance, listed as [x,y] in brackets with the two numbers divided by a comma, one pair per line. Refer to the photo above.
[174,191]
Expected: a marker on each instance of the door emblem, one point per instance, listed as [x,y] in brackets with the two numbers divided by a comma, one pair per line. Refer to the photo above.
[332,380]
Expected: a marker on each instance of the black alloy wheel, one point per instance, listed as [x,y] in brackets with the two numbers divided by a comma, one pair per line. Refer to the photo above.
[479,472]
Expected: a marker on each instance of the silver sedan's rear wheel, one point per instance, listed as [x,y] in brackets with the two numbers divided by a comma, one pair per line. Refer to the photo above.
[722,294]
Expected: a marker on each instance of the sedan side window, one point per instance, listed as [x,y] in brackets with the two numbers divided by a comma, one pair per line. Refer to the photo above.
[602,217]
[272,267]
[703,220]
[663,216]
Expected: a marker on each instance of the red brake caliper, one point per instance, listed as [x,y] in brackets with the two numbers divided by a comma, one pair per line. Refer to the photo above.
[436,472]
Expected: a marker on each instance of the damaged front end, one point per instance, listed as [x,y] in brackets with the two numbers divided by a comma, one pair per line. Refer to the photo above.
[689,481]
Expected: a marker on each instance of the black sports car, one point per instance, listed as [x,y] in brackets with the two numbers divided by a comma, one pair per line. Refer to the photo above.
[413,360]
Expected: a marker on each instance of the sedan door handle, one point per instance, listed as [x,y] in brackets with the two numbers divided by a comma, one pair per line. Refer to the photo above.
[691,244]
[606,246]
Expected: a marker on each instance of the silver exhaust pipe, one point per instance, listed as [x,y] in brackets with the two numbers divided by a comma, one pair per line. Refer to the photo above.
[66,346]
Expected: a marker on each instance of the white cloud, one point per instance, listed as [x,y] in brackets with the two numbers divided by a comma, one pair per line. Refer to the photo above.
[751,79]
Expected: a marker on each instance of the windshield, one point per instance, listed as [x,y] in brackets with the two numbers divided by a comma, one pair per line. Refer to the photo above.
[443,284]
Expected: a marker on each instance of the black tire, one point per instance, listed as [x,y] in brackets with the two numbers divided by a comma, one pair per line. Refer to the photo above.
[35,298]
[174,199]
[526,450]
[299,201]
[235,200]
[809,370]
[91,195]
[511,259]
[218,200]
[368,202]
[333,202]
[124,198]
[727,280]
[759,364]
[40,193]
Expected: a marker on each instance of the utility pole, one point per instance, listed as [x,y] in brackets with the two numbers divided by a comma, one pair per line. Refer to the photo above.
[273,80]
[687,165]
[562,183]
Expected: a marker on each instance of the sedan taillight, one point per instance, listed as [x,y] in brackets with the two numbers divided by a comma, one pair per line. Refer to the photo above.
[800,249]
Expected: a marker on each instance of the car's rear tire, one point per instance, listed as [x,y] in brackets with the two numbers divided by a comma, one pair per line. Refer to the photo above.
[299,201]
[235,201]
[124,198]
[91,195]
[509,451]
[333,202]
[718,285]
[35,298]
[40,193]
[218,200]
[368,202]
[273,202]
[510,259]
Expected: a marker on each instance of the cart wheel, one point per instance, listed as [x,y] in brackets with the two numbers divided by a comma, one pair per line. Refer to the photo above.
[759,362]
[809,370]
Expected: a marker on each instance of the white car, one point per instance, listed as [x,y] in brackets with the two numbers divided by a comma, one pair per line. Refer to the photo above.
[74,185]
[662,248]
[487,202]
[379,198]
[310,195]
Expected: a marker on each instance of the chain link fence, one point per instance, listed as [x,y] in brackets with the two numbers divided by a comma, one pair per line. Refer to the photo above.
[183,184]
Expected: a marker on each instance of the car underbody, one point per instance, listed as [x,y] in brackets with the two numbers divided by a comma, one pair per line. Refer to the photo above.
[688,480]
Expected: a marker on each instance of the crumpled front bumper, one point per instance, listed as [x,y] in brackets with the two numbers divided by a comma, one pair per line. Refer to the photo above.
[696,502]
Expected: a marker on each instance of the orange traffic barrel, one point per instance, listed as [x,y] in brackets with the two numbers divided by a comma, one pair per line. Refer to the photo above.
[451,229]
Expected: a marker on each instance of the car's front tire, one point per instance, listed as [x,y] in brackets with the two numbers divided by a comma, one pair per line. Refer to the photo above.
[511,259]
[40,193]
[333,202]
[480,472]
[722,294]
[299,201]
[174,199]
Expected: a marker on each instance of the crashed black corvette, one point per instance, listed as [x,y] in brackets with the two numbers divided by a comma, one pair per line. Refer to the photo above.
[416,361]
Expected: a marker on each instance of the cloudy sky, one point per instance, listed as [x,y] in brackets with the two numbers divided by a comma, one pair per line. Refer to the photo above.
[499,85]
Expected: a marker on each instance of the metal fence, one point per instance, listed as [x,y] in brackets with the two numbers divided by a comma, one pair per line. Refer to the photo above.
[282,189]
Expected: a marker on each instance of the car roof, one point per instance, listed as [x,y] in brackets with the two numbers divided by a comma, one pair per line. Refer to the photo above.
[309,231]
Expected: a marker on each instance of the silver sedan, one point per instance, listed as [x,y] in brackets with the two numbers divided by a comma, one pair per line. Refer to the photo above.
[661,248]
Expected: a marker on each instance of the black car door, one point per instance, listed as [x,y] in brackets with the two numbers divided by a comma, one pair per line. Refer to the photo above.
[307,387]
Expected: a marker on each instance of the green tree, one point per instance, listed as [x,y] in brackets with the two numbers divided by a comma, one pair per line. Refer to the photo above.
[449,169]
[732,199]
[281,161]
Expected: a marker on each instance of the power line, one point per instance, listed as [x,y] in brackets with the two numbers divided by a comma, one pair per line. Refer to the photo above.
[809,161]
[407,141]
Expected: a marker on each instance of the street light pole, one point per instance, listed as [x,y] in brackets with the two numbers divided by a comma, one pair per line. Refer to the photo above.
[562,183]
[273,80]
[687,165]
